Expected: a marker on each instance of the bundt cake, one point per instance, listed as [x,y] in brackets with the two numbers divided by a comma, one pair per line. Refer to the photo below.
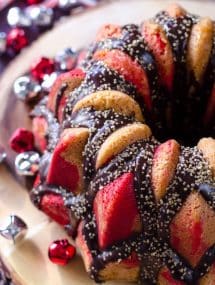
[127,143]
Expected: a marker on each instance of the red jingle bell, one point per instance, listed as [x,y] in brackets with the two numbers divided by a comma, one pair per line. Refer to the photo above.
[16,39]
[33,2]
[22,140]
[42,67]
[61,252]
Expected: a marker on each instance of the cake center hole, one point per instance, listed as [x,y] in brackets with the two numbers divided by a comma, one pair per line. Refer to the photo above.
[186,135]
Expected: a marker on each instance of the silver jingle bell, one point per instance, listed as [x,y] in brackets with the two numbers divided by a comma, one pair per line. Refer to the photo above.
[66,59]
[25,88]
[17,17]
[40,15]
[27,163]
[3,154]
[89,3]
[14,227]
[66,4]
[48,81]
[3,37]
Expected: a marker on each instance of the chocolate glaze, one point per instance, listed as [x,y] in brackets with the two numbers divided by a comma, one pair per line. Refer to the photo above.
[132,43]
[153,253]
[206,91]
[101,124]
[122,163]
[77,203]
[118,252]
[38,192]
[204,264]
[156,255]
[159,249]
[186,179]
[151,244]
[178,31]
[60,94]
[53,132]
[178,267]
[197,101]
[143,188]
[99,77]
[208,192]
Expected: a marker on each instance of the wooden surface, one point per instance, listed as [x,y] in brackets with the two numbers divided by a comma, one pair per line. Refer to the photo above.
[28,260]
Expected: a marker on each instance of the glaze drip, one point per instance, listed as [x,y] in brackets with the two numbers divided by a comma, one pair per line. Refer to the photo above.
[53,131]
[187,178]
[132,43]
[208,193]
[178,31]
[99,77]
[59,97]
[101,125]
[152,243]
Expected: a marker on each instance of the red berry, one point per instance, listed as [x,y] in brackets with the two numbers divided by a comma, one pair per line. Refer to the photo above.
[22,140]
[42,67]
[16,39]
[33,2]
[61,252]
